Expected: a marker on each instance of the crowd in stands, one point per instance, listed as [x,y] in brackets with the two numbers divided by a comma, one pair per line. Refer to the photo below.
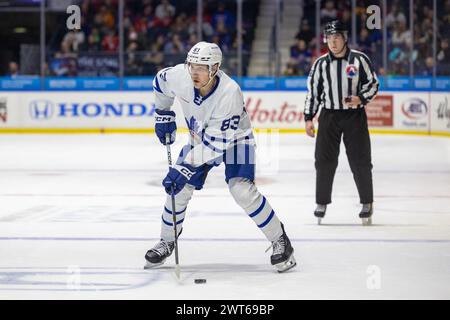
[399,36]
[157,33]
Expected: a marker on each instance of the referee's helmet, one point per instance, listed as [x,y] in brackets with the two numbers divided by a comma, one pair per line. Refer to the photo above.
[334,27]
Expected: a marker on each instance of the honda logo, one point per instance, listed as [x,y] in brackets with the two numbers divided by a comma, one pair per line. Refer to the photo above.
[41,109]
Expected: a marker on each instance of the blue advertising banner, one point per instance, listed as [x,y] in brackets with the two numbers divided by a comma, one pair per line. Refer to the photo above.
[20,83]
[137,83]
[106,83]
[26,83]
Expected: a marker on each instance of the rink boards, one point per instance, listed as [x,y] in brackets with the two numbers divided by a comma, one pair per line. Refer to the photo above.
[409,112]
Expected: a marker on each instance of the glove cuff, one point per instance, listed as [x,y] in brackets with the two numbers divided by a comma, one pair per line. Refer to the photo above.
[186,170]
[163,116]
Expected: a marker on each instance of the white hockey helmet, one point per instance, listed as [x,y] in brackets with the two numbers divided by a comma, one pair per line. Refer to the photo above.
[205,53]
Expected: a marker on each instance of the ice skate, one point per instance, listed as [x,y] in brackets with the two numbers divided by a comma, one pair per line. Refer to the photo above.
[319,213]
[158,254]
[282,257]
[366,214]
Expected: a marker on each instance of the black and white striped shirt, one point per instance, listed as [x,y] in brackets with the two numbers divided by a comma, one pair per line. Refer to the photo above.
[332,79]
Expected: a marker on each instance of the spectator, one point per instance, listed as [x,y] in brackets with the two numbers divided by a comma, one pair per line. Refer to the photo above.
[180,26]
[132,63]
[216,38]
[427,69]
[395,16]
[192,41]
[306,33]
[65,62]
[364,42]
[158,45]
[107,17]
[13,69]
[401,36]
[224,35]
[175,46]
[443,58]
[74,40]
[65,52]
[140,24]
[110,42]
[443,55]
[94,43]
[132,34]
[301,56]
[207,29]
[345,17]
[328,13]
[398,60]
[152,63]
[222,16]
[165,11]
[291,69]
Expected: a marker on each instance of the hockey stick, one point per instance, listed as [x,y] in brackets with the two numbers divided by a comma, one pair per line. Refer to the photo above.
[169,160]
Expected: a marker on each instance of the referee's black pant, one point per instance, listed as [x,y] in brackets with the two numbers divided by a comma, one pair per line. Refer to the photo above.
[352,125]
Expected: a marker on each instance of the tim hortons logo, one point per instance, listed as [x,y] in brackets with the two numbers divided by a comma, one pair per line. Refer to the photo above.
[3,110]
[443,111]
[286,113]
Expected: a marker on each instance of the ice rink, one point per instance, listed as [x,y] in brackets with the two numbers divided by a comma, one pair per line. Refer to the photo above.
[78,213]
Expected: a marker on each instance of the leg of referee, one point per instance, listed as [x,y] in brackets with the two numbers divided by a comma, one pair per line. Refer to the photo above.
[357,145]
[326,155]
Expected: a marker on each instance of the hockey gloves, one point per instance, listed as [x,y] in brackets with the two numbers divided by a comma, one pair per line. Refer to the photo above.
[177,178]
[165,123]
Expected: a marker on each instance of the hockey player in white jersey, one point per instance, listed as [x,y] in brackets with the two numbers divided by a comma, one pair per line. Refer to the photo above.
[220,131]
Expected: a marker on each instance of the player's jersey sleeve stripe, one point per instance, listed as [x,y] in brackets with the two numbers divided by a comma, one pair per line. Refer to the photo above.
[156,85]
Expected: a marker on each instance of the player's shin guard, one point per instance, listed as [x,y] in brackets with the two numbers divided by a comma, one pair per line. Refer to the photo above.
[181,201]
[256,206]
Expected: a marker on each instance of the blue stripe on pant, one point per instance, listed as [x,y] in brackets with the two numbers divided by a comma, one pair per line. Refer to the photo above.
[264,207]
[171,223]
[251,215]
[177,213]
[262,225]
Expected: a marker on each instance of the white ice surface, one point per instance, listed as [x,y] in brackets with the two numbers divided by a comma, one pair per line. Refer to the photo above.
[78,213]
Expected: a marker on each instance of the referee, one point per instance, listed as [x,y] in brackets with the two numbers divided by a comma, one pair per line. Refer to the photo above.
[343,82]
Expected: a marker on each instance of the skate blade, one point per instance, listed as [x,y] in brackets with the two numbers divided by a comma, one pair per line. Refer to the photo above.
[150,265]
[287,265]
[319,221]
[367,221]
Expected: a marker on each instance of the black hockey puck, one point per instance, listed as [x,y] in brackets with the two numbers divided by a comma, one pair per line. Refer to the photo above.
[198,281]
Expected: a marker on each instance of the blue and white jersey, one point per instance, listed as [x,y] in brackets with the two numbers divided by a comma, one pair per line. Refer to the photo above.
[217,121]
